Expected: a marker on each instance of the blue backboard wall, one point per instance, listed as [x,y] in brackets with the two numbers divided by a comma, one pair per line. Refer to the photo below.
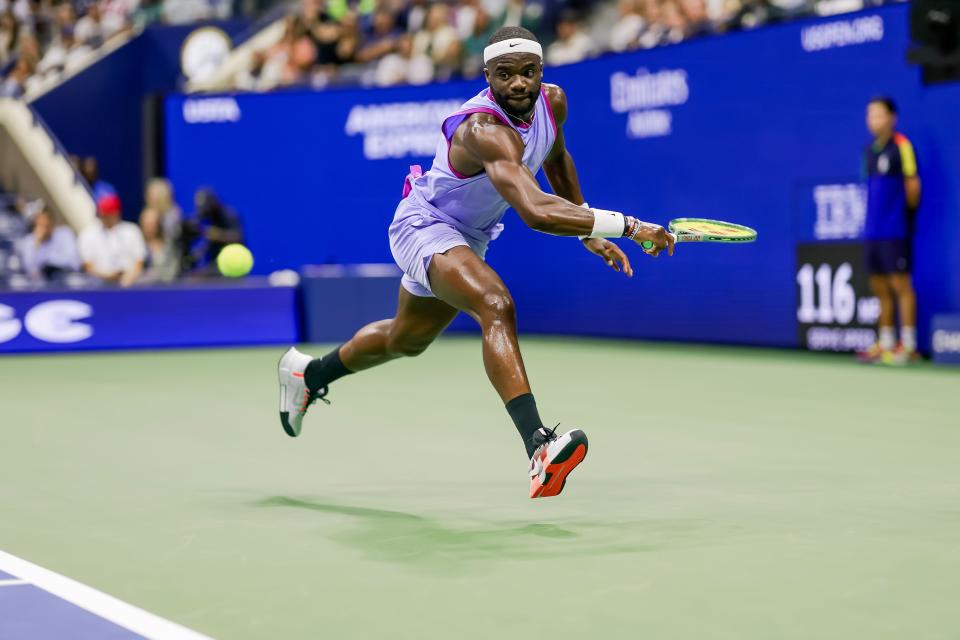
[744,127]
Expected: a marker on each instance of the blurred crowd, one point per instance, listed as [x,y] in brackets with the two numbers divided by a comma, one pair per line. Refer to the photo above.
[392,42]
[379,42]
[162,245]
[40,39]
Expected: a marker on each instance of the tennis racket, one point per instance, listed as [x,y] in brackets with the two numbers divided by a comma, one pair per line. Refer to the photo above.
[704,230]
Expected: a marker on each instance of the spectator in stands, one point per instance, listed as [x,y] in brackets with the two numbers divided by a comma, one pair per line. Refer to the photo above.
[415,15]
[339,8]
[113,249]
[50,251]
[753,13]
[277,61]
[13,224]
[518,13]
[9,37]
[695,15]
[572,44]
[382,40]
[148,11]
[252,78]
[267,66]
[66,54]
[350,38]
[653,33]
[212,227]
[464,15]
[159,197]
[626,32]
[89,29]
[325,32]
[473,46]
[674,21]
[14,84]
[300,60]
[116,15]
[64,16]
[404,66]
[188,11]
[163,259]
[29,46]
[439,41]
[90,170]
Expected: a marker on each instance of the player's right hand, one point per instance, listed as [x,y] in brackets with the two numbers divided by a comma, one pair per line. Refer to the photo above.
[656,234]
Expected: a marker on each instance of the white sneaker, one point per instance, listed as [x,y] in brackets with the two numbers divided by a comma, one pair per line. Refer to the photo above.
[295,398]
[553,461]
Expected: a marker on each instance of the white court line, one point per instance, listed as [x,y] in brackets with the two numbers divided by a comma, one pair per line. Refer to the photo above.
[12,583]
[96,602]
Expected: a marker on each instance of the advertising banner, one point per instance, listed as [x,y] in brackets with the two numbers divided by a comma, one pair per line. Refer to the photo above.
[175,316]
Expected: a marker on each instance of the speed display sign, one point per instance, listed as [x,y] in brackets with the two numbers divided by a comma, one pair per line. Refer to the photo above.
[835,309]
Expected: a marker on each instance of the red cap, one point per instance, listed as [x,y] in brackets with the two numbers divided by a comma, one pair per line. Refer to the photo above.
[109,205]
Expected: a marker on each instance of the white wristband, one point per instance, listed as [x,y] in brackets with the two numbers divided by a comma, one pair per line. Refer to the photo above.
[607,224]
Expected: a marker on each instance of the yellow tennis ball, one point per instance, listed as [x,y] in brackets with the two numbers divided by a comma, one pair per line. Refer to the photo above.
[235,261]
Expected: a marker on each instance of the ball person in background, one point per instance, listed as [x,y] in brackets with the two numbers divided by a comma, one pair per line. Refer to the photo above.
[488,154]
[893,195]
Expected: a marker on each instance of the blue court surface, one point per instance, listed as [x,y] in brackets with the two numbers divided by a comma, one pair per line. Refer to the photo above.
[38,604]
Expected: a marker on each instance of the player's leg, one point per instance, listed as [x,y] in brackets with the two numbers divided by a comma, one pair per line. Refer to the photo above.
[902,286]
[303,380]
[880,287]
[462,279]
[878,266]
[417,324]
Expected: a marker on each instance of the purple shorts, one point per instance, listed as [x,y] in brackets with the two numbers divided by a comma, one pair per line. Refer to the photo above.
[415,237]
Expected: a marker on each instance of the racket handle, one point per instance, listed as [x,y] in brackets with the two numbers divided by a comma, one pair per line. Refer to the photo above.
[648,244]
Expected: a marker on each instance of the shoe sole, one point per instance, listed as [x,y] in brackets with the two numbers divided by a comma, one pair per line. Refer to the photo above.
[566,461]
[285,415]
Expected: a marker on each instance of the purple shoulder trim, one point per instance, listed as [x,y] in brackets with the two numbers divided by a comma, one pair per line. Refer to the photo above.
[546,101]
[450,125]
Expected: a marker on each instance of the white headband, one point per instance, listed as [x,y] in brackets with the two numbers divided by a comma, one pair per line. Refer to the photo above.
[514,45]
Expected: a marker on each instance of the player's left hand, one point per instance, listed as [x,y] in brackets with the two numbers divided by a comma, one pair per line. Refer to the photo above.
[611,254]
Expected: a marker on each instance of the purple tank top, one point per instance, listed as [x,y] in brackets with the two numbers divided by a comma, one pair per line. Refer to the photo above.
[471,204]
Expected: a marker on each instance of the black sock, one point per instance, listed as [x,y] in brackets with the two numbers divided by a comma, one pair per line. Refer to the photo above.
[322,371]
[523,410]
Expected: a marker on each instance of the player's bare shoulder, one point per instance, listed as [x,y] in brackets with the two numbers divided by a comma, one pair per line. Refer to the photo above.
[558,101]
[480,125]
[484,137]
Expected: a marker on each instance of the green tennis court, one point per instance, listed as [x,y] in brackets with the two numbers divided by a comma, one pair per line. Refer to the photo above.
[729,493]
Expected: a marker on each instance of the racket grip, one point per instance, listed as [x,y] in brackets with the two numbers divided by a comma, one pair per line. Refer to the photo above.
[648,244]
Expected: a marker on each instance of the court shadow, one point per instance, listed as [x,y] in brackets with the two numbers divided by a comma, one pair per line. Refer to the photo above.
[406,538]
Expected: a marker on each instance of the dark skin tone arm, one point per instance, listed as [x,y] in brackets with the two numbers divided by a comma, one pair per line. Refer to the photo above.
[561,173]
[912,187]
[484,143]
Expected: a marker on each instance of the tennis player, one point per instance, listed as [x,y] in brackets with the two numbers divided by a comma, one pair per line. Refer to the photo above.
[487,157]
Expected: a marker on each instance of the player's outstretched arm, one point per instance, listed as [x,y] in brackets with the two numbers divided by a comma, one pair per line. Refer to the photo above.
[498,151]
[559,168]
[561,173]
